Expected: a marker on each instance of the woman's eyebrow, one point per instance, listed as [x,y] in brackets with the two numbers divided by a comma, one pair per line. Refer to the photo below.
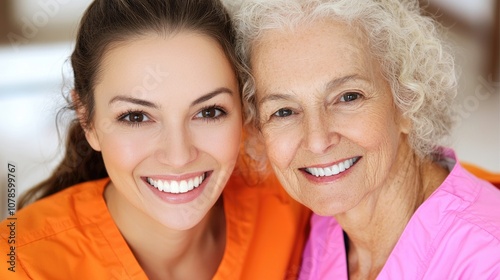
[331,85]
[123,98]
[142,102]
[211,95]
[273,97]
[336,82]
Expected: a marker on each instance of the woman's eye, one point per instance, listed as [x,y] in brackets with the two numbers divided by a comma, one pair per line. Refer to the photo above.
[283,113]
[211,113]
[350,96]
[135,117]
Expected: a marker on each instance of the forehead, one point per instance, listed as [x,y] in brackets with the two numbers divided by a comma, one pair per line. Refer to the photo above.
[319,50]
[176,61]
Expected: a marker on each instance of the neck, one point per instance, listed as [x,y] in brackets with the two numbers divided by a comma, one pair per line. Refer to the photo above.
[376,224]
[164,253]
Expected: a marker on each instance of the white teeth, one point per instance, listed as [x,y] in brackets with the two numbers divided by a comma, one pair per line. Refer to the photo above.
[174,187]
[341,167]
[182,186]
[166,186]
[328,172]
[160,185]
[332,170]
[321,172]
[335,169]
[190,184]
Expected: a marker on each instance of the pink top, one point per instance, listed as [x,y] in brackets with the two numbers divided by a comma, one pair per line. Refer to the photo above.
[454,234]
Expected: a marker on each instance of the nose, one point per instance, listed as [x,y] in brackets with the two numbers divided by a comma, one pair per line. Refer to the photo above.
[176,148]
[319,134]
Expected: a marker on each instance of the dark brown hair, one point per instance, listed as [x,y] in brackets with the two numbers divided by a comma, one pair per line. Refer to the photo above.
[105,24]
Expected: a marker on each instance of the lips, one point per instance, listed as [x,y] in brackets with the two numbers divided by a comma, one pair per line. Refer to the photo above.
[177,186]
[333,169]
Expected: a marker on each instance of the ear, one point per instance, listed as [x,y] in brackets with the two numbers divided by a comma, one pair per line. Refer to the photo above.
[89,129]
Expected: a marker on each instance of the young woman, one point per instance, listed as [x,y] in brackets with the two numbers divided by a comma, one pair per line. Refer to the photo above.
[157,136]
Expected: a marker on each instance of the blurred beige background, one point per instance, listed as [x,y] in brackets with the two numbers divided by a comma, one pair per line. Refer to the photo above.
[36,39]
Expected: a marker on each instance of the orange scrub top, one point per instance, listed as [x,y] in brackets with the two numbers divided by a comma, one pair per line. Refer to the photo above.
[71,235]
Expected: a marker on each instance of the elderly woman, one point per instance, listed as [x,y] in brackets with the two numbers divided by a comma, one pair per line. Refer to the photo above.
[352,101]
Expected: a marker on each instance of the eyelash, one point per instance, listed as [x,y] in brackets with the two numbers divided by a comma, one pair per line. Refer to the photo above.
[223,113]
[121,117]
[274,115]
[357,94]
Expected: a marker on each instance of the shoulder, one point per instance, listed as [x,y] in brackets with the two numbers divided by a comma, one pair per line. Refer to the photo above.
[469,208]
[456,232]
[470,202]
[73,206]
[463,200]
[465,246]
[69,234]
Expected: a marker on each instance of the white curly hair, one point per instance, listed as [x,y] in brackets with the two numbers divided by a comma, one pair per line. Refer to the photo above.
[415,60]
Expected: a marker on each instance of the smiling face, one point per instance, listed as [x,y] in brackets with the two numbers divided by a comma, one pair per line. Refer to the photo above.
[168,123]
[326,114]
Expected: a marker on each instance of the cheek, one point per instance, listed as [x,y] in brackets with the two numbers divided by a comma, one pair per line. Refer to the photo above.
[387,134]
[123,151]
[281,145]
[379,137]
[373,130]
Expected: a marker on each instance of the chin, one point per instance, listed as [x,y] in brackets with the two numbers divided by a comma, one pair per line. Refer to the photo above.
[179,217]
[325,208]
[185,221]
